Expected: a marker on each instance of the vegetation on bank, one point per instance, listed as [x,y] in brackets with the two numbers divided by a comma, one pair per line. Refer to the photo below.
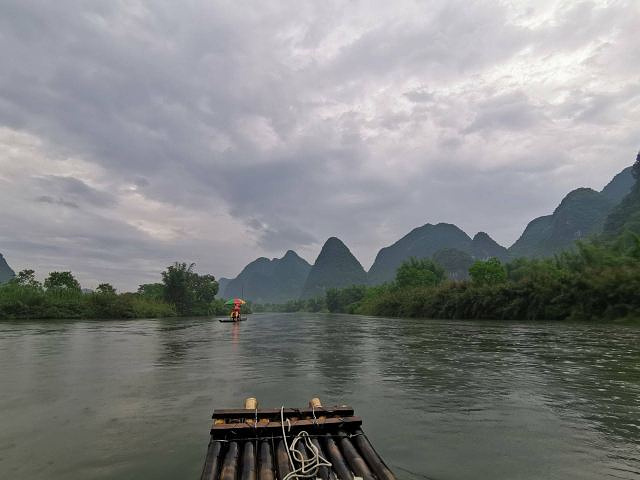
[182,292]
[598,281]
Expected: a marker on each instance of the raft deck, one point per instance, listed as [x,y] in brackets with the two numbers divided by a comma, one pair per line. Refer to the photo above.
[248,444]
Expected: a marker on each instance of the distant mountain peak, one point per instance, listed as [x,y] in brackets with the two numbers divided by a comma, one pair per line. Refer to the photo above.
[334,242]
[581,213]
[577,195]
[270,281]
[6,273]
[484,247]
[421,242]
[482,236]
[335,267]
[620,186]
[330,247]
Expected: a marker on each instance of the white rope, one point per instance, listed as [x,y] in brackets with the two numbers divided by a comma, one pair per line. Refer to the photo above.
[308,467]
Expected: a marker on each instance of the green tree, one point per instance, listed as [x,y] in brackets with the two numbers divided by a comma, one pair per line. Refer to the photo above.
[488,272]
[455,262]
[343,299]
[106,289]
[154,291]
[419,273]
[61,281]
[191,293]
[177,279]
[27,278]
[205,288]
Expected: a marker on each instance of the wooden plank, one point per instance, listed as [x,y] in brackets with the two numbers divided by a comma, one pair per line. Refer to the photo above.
[220,430]
[344,411]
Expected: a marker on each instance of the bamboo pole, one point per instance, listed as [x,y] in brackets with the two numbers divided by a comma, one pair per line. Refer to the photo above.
[248,471]
[323,472]
[356,462]
[371,456]
[303,452]
[282,457]
[265,471]
[212,462]
[336,459]
[230,465]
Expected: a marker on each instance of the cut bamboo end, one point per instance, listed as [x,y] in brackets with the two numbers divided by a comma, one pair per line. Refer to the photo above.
[316,403]
[251,403]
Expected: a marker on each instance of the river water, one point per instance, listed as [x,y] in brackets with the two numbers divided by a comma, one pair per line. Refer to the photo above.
[440,399]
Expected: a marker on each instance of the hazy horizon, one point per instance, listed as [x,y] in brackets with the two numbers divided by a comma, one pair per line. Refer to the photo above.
[137,134]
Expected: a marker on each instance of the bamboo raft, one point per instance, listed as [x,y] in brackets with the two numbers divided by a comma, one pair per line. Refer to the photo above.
[314,442]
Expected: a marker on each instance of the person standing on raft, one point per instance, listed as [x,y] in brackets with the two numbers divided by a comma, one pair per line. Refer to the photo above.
[235,313]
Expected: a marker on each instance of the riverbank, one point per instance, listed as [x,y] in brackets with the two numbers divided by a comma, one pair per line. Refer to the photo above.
[21,303]
[596,282]
[181,293]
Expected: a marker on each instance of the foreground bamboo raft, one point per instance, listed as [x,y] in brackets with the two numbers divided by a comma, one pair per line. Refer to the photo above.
[248,444]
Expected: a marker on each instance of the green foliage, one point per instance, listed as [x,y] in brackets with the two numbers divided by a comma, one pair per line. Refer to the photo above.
[105,289]
[217,307]
[292,306]
[61,281]
[488,272]
[190,293]
[596,281]
[205,289]
[153,291]
[27,278]
[455,262]
[143,307]
[419,273]
[345,299]
[61,297]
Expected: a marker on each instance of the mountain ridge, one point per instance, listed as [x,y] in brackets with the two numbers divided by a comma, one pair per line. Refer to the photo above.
[270,281]
[582,212]
[6,272]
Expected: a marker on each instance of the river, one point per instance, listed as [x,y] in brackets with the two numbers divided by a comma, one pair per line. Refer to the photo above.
[440,399]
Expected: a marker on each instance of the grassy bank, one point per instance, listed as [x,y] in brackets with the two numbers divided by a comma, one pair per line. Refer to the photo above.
[182,292]
[17,301]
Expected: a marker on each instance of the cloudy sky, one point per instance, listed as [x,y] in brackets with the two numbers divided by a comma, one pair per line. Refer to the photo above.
[133,133]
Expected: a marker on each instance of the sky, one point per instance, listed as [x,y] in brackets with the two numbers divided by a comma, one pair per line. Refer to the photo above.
[134,134]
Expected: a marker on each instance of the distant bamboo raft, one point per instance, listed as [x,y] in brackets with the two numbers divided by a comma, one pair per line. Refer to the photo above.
[248,444]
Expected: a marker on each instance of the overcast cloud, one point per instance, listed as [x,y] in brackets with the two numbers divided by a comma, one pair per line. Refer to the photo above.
[133,134]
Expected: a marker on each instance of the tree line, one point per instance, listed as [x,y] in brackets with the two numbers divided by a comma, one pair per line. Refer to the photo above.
[594,282]
[599,280]
[182,292]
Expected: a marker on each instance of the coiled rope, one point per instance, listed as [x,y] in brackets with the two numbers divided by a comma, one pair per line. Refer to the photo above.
[308,466]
